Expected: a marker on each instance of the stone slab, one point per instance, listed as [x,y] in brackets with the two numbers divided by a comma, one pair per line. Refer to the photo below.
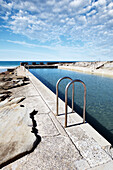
[15,133]
[107,166]
[45,125]
[88,147]
[26,90]
[53,153]
[82,164]
[35,103]
[74,119]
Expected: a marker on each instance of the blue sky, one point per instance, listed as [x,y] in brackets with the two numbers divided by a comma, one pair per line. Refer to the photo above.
[73,30]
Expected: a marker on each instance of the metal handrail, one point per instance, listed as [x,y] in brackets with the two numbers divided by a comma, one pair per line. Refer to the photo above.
[57,93]
[66,92]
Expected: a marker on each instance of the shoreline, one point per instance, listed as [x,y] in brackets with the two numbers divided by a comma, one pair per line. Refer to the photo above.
[5,68]
[100,68]
[103,73]
[94,68]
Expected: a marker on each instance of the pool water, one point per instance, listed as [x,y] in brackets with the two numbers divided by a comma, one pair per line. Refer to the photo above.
[99,96]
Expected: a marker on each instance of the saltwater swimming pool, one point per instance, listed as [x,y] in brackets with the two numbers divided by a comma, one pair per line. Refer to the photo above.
[99,99]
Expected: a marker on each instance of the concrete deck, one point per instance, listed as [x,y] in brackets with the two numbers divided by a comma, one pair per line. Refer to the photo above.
[75,147]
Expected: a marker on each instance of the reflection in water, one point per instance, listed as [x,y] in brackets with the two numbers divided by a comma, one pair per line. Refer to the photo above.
[99,99]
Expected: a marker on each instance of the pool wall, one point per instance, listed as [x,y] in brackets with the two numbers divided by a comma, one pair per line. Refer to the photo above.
[106,73]
[50,98]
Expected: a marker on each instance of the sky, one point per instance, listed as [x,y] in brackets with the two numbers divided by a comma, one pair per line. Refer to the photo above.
[56,30]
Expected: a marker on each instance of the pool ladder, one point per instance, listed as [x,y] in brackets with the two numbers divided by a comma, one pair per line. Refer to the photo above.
[66,96]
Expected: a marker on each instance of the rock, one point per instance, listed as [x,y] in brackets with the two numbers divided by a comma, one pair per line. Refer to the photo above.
[9,80]
[5,91]
[11,101]
[3,96]
[16,138]
[18,135]
[21,78]
[6,76]
[11,84]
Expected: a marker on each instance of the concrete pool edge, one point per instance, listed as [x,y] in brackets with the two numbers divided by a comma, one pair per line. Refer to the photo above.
[92,148]
[105,73]
[50,98]
[59,148]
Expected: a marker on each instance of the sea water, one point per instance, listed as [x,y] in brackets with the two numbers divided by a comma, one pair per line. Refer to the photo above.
[99,98]
[6,64]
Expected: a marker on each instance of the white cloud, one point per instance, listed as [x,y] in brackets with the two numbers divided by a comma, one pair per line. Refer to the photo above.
[77,3]
[91,13]
[6,5]
[110,5]
[82,19]
[50,2]
[31,45]
[85,10]
[110,13]
[71,21]
[102,2]
[58,22]
[56,9]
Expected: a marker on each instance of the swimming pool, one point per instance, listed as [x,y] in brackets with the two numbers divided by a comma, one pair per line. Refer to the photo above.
[99,98]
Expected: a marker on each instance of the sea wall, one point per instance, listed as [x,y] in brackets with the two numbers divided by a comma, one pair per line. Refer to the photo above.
[97,68]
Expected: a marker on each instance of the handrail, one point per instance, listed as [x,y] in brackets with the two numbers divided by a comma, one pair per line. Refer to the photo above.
[66,92]
[57,93]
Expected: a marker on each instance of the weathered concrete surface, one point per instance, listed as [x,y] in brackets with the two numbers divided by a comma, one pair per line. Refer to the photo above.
[107,166]
[53,153]
[70,148]
[104,68]
[16,126]
[85,138]
[88,147]
[36,103]
[27,90]
[43,127]
[15,134]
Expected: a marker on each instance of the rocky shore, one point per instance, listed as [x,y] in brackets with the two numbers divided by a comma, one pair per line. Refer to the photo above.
[16,138]
[104,68]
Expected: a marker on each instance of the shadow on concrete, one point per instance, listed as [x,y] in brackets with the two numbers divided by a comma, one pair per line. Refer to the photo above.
[34,129]
[76,124]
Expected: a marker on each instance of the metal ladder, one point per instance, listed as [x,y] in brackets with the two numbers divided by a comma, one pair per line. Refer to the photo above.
[66,97]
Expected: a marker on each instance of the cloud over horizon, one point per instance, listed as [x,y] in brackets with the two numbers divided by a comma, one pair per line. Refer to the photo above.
[73,23]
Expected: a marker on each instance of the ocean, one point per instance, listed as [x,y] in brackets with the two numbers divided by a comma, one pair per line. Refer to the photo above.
[6,64]
[17,63]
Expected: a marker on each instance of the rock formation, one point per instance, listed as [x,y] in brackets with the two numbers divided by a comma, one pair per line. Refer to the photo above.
[16,135]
